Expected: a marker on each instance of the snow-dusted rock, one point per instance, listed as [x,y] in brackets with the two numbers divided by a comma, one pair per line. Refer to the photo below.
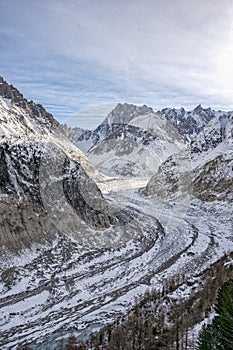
[131,141]
[39,166]
[190,123]
[89,255]
[205,168]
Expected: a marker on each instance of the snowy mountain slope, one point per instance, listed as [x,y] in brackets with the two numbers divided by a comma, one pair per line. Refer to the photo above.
[190,123]
[134,140]
[122,114]
[42,174]
[186,123]
[214,176]
[97,252]
[218,131]
[204,169]
[21,121]
[34,118]
[66,285]
[47,200]
[131,141]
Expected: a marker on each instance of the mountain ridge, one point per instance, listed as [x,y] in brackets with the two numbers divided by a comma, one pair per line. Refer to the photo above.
[128,141]
[79,256]
[32,145]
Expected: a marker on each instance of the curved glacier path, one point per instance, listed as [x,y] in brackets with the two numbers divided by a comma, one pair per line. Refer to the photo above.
[64,287]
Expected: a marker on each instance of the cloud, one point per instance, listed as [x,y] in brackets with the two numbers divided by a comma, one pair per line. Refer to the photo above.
[91,117]
[70,55]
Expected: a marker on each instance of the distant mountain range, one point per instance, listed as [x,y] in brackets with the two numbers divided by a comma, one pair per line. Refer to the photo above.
[147,198]
[135,140]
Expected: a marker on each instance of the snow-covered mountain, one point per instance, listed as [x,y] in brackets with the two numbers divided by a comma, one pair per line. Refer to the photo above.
[22,120]
[56,223]
[217,132]
[76,246]
[135,140]
[131,141]
[119,117]
[190,123]
[37,158]
[204,168]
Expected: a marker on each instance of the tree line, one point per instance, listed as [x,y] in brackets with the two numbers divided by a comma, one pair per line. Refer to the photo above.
[158,321]
[219,333]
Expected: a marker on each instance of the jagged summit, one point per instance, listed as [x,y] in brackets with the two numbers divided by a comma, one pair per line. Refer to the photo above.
[198,108]
[189,123]
[131,141]
[203,111]
[208,175]
[124,113]
[11,93]
[218,131]
[13,98]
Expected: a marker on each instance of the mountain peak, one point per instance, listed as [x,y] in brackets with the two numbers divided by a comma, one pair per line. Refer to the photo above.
[35,111]
[131,107]
[198,108]
[11,93]
[189,123]
[124,113]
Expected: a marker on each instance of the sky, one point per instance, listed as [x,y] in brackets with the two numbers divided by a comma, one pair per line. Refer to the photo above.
[77,56]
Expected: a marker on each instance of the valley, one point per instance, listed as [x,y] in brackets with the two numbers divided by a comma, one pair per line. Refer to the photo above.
[87,287]
[79,245]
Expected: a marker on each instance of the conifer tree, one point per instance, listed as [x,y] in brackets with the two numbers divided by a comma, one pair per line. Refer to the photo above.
[224,321]
[219,334]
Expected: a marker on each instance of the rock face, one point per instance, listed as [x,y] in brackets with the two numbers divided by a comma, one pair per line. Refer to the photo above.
[38,165]
[111,127]
[214,146]
[37,112]
[215,179]
[73,133]
[218,131]
[124,113]
[22,219]
[99,252]
[190,123]
[131,141]
[204,169]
